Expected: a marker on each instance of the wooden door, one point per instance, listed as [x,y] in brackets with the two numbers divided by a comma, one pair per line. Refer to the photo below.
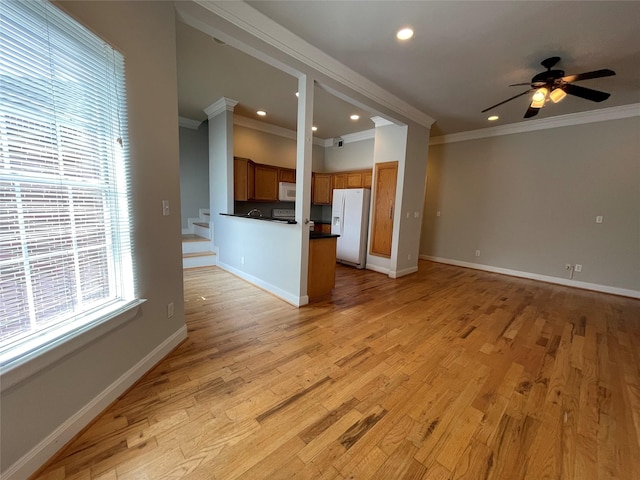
[384,197]
[266,186]
[322,188]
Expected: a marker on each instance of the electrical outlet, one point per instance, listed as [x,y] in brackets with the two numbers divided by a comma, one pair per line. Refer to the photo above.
[409,257]
[477,253]
[169,310]
[438,213]
[578,267]
[599,219]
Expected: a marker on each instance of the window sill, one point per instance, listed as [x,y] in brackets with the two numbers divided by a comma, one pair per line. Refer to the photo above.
[17,369]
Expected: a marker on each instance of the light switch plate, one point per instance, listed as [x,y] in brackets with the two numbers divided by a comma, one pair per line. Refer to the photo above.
[165,208]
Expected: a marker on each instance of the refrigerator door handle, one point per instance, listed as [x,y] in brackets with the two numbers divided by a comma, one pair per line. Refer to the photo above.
[343,202]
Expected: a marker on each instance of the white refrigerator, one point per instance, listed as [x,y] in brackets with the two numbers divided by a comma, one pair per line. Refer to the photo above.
[350,220]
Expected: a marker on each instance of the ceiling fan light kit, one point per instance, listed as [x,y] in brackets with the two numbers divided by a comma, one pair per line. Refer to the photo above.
[557,94]
[553,84]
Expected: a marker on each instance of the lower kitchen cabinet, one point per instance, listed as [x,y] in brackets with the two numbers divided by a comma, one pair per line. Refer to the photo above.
[321,276]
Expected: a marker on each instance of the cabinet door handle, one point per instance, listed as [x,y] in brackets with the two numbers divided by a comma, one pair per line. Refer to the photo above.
[390,211]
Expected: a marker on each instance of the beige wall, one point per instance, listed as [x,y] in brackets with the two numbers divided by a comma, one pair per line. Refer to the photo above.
[529,201]
[271,149]
[49,400]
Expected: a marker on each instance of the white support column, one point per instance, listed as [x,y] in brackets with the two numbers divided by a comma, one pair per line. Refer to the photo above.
[303,172]
[220,114]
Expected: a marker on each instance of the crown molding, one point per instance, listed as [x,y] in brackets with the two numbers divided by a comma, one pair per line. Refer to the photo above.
[263,28]
[602,115]
[272,129]
[188,123]
[381,122]
[219,106]
[359,136]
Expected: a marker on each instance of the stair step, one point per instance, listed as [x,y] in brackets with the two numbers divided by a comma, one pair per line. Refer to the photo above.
[198,259]
[197,254]
[202,224]
[192,237]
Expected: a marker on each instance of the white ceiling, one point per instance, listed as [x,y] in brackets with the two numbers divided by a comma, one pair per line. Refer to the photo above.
[461,60]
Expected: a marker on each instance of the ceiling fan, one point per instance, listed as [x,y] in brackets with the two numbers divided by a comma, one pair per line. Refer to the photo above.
[554,85]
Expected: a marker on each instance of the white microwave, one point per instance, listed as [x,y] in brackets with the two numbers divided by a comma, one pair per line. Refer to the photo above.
[287,192]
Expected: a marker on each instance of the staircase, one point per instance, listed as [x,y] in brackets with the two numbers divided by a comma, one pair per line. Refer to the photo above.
[197,245]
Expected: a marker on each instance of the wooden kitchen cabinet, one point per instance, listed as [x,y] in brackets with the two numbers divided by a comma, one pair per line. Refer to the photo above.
[287,175]
[321,276]
[354,180]
[266,183]
[366,179]
[322,188]
[339,180]
[384,196]
[243,179]
[322,228]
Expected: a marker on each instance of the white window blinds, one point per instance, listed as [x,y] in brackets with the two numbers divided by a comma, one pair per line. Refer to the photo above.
[64,224]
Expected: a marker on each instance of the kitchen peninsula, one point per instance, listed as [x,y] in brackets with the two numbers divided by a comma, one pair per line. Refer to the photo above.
[321,274]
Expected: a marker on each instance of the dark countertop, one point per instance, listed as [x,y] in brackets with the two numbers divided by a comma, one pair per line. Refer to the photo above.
[268,219]
[315,235]
[322,222]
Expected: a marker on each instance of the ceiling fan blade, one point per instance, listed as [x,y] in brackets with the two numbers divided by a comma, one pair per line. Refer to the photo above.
[519,84]
[531,112]
[507,100]
[586,93]
[605,72]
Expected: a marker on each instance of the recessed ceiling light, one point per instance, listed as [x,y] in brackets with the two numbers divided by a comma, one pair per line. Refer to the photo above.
[262,113]
[355,117]
[493,118]
[404,34]
[314,129]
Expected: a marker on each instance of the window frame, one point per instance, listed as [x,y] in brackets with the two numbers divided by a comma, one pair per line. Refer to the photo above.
[28,355]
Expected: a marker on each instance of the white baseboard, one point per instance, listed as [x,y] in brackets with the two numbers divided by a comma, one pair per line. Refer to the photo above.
[378,269]
[403,272]
[535,276]
[49,446]
[278,292]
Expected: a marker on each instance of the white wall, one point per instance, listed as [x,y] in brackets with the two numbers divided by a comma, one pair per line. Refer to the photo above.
[194,171]
[529,201]
[389,145]
[351,156]
[413,192]
[50,401]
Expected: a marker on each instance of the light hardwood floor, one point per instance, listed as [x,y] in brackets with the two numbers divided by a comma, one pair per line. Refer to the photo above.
[449,373]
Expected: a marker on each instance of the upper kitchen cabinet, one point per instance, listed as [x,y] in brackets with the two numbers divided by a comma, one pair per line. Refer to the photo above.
[322,188]
[339,180]
[366,179]
[243,179]
[287,175]
[266,183]
[254,181]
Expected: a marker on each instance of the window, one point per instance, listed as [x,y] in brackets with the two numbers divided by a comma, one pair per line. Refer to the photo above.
[65,261]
